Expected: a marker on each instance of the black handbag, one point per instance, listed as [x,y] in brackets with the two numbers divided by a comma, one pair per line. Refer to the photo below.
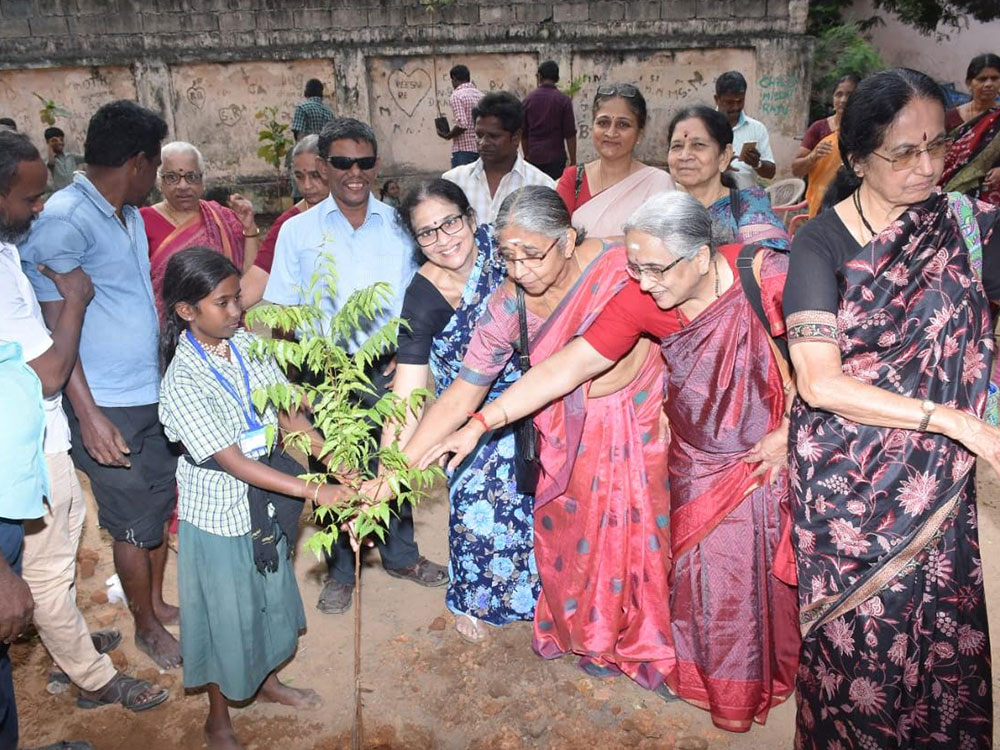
[527,466]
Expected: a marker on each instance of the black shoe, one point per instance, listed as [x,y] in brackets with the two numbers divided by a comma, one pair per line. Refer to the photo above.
[335,598]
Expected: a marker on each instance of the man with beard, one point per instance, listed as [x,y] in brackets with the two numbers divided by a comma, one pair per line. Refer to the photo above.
[117,439]
[365,238]
[500,168]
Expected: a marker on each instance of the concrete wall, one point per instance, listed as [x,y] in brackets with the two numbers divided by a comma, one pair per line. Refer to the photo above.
[209,65]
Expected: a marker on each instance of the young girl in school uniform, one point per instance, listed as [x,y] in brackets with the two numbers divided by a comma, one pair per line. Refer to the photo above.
[238,502]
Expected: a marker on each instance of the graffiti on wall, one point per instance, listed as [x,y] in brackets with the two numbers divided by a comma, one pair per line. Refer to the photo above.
[403,104]
[215,104]
[776,93]
[80,91]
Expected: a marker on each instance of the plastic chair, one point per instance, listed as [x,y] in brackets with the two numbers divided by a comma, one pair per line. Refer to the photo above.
[786,192]
[795,222]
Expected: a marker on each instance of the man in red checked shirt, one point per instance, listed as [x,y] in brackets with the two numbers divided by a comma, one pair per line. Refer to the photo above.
[463,99]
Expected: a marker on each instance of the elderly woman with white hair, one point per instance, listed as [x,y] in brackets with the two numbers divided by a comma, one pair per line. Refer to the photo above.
[182,219]
[732,604]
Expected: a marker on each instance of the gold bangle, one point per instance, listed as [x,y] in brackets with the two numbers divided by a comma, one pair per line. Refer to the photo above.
[316,493]
[255,234]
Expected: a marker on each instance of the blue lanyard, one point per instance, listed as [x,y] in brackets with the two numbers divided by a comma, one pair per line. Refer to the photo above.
[252,422]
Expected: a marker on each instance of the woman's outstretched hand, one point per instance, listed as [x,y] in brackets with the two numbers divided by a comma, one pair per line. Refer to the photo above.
[460,443]
[981,438]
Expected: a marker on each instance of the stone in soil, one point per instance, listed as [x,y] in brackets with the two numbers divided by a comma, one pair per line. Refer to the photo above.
[99,597]
[439,623]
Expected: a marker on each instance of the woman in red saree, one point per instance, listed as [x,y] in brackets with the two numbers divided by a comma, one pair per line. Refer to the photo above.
[601,504]
[973,162]
[732,602]
[182,219]
[889,327]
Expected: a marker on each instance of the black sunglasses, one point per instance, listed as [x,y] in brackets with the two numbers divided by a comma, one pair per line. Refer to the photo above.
[344,163]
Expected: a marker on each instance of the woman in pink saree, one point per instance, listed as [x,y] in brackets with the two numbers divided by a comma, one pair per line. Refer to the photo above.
[603,193]
[182,219]
[733,603]
[600,516]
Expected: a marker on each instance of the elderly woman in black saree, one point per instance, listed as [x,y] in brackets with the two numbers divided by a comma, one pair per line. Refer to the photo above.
[887,309]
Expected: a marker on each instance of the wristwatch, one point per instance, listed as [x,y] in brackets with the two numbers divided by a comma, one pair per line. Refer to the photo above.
[927,407]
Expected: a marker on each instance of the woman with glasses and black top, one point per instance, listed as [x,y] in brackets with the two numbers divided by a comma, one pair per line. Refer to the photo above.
[182,219]
[602,193]
[600,533]
[700,149]
[489,583]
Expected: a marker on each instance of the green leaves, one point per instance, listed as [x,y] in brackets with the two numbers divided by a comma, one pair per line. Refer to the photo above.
[347,427]
[274,137]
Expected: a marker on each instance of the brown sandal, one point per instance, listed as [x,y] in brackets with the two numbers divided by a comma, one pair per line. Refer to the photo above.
[423,571]
[128,691]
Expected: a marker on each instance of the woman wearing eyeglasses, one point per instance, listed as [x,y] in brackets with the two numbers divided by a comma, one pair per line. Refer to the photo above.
[182,219]
[700,148]
[492,577]
[600,509]
[602,194]
[732,606]
[887,307]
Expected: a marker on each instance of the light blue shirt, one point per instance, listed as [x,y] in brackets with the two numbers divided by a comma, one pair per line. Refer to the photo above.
[379,250]
[24,477]
[749,130]
[118,343]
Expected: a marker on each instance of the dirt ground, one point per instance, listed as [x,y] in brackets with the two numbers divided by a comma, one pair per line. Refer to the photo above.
[425,686]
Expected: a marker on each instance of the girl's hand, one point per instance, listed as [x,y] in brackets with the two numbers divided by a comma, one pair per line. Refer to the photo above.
[244,211]
[772,453]
[822,149]
[992,178]
[334,494]
[980,438]
[460,443]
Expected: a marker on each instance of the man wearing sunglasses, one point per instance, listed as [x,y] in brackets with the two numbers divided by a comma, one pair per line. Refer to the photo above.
[500,169]
[364,237]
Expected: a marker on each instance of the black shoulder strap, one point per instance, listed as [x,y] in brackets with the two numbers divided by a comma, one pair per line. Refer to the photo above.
[752,291]
[524,355]
[579,180]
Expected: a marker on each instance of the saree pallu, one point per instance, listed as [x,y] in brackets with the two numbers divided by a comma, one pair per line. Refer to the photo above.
[758,222]
[604,215]
[601,510]
[215,226]
[974,152]
[895,650]
[491,564]
[822,173]
[734,622]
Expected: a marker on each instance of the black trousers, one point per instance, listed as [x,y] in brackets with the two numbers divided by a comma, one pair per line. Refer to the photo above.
[399,550]
[11,538]
[554,169]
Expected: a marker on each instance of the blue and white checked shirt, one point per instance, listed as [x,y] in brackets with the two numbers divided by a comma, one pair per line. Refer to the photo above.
[379,250]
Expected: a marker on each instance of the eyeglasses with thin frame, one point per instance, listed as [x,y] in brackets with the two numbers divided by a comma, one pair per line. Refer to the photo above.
[449,225]
[174,178]
[344,163]
[908,158]
[656,273]
[531,261]
[618,89]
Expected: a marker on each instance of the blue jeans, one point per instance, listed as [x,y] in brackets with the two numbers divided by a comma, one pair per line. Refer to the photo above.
[11,538]
[463,157]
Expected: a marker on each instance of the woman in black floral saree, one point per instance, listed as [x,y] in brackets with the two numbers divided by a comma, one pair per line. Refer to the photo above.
[887,308]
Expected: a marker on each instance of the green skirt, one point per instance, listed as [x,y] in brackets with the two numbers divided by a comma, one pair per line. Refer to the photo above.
[237,625]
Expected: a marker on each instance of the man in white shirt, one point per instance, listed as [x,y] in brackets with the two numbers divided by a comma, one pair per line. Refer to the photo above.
[50,542]
[751,143]
[500,170]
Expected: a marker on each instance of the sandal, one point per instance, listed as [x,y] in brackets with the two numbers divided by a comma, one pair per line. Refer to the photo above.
[128,691]
[666,693]
[477,624]
[423,571]
[105,641]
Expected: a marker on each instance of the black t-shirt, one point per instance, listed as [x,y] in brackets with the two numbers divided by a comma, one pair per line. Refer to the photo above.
[822,246]
[427,312]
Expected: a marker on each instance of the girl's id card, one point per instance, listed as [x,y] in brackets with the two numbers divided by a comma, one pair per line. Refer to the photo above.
[253,443]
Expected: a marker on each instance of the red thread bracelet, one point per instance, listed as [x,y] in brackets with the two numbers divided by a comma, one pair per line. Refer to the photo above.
[478,415]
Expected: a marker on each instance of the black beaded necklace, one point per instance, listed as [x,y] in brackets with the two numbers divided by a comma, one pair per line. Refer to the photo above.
[857,206]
